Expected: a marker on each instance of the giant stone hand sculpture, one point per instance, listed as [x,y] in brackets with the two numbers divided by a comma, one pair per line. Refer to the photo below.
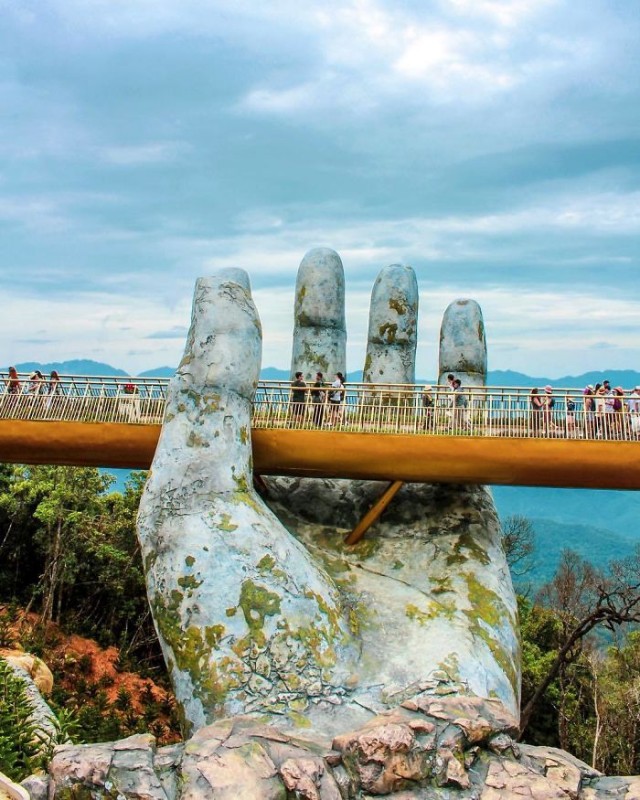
[289,622]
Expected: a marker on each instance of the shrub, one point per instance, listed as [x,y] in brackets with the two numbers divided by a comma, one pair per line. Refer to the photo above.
[20,738]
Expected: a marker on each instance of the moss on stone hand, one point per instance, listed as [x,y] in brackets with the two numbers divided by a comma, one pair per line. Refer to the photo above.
[388,332]
[487,613]
[257,603]
[189,583]
[467,542]
[398,305]
[225,524]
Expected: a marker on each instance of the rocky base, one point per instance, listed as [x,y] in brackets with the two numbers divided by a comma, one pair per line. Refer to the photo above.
[429,747]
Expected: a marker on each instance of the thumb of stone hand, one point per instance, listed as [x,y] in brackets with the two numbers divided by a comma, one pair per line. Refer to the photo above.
[246,619]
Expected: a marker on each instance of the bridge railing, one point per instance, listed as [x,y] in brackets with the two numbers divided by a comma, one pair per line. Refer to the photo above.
[74,398]
[475,411]
[371,408]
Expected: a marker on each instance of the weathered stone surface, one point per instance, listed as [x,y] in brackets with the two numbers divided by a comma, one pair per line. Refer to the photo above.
[37,786]
[560,767]
[126,768]
[391,755]
[612,788]
[463,348]
[226,581]
[393,326]
[84,764]
[429,586]
[320,334]
[510,779]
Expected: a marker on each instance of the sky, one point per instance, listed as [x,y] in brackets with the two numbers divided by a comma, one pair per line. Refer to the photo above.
[493,145]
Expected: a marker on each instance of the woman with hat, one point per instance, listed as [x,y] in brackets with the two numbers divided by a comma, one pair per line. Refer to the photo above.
[548,403]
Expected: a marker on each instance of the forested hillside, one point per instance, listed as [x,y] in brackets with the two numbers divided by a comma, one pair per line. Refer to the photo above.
[70,565]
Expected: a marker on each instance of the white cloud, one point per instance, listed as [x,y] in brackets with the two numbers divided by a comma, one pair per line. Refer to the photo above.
[148,153]
[508,13]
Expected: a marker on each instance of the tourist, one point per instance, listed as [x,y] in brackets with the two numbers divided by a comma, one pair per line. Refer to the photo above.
[610,421]
[620,412]
[570,416]
[36,382]
[460,403]
[13,382]
[54,388]
[548,404]
[599,393]
[589,402]
[427,407]
[536,404]
[298,399]
[634,412]
[336,397]
[318,396]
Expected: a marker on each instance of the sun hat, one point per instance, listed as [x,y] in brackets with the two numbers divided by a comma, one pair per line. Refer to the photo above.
[619,389]
[427,388]
[548,388]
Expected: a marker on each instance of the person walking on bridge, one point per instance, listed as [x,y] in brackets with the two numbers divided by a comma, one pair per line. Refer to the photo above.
[589,401]
[536,403]
[336,397]
[460,403]
[13,382]
[13,389]
[298,400]
[548,404]
[318,399]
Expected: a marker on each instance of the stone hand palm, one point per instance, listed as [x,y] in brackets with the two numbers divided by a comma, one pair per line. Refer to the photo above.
[256,617]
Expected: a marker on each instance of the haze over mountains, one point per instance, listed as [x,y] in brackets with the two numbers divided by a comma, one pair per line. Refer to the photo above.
[627,378]
[600,525]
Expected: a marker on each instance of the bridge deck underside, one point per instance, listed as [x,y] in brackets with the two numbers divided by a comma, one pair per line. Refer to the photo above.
[325,454]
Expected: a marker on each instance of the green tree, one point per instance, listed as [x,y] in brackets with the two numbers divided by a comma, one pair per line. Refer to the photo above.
[583,598]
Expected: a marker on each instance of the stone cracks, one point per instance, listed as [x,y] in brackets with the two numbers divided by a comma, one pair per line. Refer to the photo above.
[448,746]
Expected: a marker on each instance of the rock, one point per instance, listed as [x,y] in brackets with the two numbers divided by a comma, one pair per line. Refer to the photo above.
[242,759]
[612,788]
[84,764]
[37,786]
[508,779]
[308,778]
[10,790]
[35,667]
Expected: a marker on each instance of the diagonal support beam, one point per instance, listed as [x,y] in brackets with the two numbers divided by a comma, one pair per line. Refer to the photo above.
[373,513]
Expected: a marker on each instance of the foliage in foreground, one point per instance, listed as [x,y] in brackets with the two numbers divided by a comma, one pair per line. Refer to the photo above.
[20,740]
[69,553]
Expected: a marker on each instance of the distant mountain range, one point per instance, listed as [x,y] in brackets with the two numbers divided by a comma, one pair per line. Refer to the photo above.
[627,378]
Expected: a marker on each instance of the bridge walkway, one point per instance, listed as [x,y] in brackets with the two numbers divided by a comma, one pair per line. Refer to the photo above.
[378,432]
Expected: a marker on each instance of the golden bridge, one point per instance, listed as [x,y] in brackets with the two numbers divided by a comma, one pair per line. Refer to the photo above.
[378,432]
